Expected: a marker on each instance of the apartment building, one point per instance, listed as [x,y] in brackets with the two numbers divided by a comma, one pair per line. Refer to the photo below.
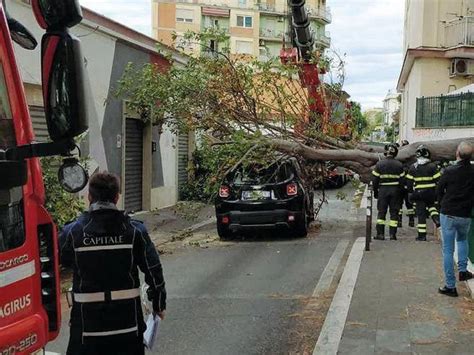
[439,59]
[255,27]
[391,108]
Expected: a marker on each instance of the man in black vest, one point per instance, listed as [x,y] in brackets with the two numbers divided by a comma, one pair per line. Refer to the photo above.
[456,195]
[388,180]
[105,248]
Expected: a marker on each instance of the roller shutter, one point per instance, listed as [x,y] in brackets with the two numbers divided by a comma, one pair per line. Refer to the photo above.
[183,157]
[133,165]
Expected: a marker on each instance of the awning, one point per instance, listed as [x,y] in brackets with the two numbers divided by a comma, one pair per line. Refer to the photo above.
[215,11]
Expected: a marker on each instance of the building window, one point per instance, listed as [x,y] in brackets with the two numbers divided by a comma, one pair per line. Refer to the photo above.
[244,47]
[183,15]
[244,21]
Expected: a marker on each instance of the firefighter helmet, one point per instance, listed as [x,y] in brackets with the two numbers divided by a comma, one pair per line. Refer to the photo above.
[391,150]
[405,142]
[422,152]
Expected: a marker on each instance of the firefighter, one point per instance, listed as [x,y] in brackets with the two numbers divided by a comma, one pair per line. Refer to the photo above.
[405,199]
[422,179]
[105,248]
[388,181]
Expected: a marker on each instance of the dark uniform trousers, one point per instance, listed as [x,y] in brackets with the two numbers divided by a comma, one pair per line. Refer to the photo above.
[105,249]
[388,182]
[410,208]
[422,180]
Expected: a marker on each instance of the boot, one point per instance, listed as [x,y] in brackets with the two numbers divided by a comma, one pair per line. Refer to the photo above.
[400,221]
[380,228]
[411,221]
[421,237]
[393,233]
[465,275]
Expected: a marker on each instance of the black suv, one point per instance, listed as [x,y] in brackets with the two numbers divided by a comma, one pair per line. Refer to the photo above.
[274,197]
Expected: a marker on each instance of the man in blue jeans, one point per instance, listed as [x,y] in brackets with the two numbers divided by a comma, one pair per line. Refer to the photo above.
[456,195]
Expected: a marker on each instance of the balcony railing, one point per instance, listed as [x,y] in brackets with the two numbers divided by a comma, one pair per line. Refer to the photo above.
[445,111]
[460,32]
[323,13]
[324,39]
[271,33]
[269,8]
[220,30]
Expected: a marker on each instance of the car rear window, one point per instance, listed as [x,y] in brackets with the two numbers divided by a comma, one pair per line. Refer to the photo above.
[259,175]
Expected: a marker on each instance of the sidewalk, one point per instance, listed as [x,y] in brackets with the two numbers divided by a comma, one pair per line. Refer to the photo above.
[396,309]
[165,225]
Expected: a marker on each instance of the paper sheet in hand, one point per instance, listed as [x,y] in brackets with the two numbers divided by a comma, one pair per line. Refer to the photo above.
[151,332]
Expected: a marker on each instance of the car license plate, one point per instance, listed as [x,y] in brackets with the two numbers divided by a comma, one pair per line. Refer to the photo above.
[255,195]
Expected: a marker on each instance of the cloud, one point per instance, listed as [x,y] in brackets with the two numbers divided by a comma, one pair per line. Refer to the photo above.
[135,14]
[370,32]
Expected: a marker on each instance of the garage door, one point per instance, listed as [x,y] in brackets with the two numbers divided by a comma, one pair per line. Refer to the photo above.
[133,165]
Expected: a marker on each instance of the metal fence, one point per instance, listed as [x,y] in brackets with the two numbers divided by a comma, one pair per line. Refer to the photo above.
[445,111]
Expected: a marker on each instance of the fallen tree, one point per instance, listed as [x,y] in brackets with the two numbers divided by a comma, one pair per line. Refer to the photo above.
[223,96]
[363,161]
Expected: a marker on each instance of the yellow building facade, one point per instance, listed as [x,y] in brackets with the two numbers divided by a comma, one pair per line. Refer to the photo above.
[255,27]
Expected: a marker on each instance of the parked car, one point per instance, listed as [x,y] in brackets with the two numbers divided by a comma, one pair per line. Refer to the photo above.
[337,176]
[278,196]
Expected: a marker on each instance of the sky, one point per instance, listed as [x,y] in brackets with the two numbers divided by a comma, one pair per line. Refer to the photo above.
[369,32]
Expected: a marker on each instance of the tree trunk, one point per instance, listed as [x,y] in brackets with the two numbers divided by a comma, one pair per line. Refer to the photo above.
[363,159]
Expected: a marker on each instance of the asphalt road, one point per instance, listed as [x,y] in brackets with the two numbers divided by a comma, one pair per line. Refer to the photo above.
[248,297]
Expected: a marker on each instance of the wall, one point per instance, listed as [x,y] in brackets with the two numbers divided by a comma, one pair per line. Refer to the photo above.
[424,20]
[428,77]
[105,59]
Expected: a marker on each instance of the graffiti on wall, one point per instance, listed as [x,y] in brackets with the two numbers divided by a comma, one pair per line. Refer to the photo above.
[430,133]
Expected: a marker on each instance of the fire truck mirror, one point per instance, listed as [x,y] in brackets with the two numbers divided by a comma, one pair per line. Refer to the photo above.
[57,14]
[63,86]
[13,173]
[72,176]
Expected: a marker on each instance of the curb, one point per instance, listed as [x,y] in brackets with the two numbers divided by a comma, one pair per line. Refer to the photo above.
[333,327]
[202,224]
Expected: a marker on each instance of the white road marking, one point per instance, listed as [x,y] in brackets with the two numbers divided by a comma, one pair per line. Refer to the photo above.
[333,327]
[17,273]
[330,270]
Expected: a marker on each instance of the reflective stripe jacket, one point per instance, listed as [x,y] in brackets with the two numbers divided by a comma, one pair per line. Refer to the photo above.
[388,172]
[105,249]
[422,176]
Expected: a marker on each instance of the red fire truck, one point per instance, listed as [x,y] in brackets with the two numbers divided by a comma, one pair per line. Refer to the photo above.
[29,278]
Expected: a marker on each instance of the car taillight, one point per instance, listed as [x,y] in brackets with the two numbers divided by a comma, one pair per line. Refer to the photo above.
[224,191]
[292,189]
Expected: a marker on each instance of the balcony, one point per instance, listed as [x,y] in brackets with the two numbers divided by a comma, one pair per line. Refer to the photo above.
[270,9]
[320,13]
[271,34]
[324,40]
[459,32]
